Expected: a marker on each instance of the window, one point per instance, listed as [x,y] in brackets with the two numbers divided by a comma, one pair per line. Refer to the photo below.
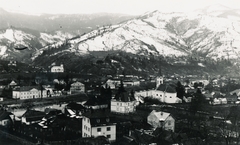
[98,129]
[108,128]
[108,136]
[169,122]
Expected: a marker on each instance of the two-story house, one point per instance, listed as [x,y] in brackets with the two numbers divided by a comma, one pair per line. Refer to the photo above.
[123,103]
[77,87]
[29,92]
[94,125]
[57,69]
[161,120]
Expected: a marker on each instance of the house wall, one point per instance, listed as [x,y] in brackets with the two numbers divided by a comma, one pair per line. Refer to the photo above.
[131,83]
[77,88]
[123,107]
[31,94]
[169,123]
[110,134]
[89,131]
[153,121]
[165,96]
[86,127]
[57,69]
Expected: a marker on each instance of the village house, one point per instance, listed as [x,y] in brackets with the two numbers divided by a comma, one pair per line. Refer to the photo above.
[57,69]
[32,116]
[161,120]
[6,118]
[164,92]
[12,63]
[29,92]
[77,87]
[123,103]
[74,109]
[112,83]
[12,84]
[94,125]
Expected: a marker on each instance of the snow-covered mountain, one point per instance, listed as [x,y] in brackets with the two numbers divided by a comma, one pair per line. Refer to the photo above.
[12,42]
[209,32]
[169,34]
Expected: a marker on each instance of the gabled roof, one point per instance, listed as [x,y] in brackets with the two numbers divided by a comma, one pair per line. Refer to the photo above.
[100,118]
[166,88]
[124,97]
[13,83]
[4,115]
[77,84]
[162,116]
[98,121]
[94,101]
[75,106]
[27,88]
[33,115]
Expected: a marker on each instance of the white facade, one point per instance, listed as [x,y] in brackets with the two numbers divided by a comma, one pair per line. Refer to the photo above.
[77,87]
[113,84]
[123,107]
[161,119]
[166,97]
[55,69]
[131,83]
[163,96]
[159,81]
[92,130]
[28,94]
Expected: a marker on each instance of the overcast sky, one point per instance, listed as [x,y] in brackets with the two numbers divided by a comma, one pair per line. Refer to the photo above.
[135,7]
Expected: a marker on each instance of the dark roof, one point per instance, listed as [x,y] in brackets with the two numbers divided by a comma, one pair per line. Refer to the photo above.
[27,88]
[100,118]
[95,100]
[141,137]
[124,97]
[75,106]
[167,88]
[4,115]
[101,121]
[33,115]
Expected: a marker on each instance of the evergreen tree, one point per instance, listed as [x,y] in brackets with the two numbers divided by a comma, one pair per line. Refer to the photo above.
[180,90]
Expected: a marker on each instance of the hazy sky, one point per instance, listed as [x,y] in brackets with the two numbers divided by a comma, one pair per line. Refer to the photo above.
[114,6]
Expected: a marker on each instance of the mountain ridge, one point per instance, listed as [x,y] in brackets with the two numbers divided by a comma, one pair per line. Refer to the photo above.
[155,33]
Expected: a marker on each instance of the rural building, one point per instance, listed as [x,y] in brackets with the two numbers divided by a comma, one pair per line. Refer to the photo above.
[29,92]
[77,87]
[161,120]
[97,125]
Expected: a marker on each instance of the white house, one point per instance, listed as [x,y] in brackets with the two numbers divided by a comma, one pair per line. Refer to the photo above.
[93,126]
[112,83]
[28,92]
[124,103]
[56,69]
[77,87]
[161,120]
[164,92]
